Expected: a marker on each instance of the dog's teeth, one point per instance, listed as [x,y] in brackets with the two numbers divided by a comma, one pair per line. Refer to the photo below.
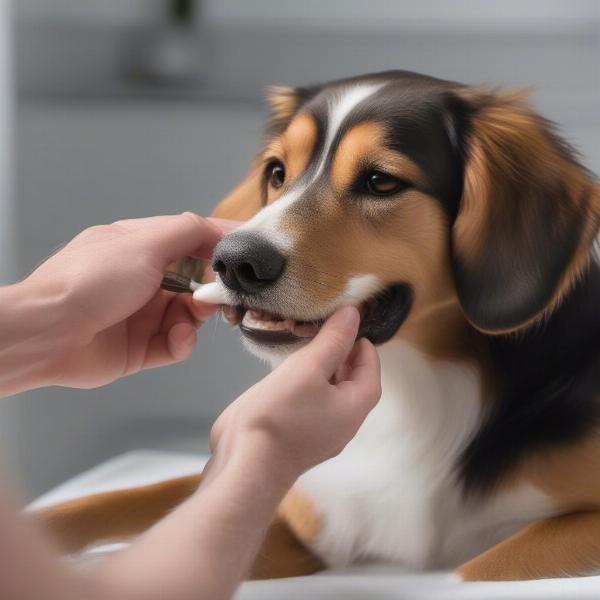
[231,314]
[213,293]
[304,330]
[252,322]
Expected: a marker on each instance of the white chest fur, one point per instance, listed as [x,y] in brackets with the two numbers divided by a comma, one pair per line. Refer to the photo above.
[391,494]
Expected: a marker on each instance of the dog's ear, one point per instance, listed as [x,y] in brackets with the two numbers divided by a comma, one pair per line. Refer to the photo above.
[528,215]
[283,102]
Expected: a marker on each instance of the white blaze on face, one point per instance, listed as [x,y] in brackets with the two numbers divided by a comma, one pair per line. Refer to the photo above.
[358,289]
[339,106]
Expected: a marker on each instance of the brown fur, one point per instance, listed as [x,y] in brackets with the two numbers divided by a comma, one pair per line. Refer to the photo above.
[568,545]
[294,148]
[75,524]
[366,141]
[120,514]
[569,475]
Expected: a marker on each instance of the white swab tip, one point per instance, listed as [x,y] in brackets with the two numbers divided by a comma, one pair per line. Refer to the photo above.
[213,293]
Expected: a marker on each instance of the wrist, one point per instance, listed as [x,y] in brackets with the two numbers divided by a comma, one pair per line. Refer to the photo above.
[254,455]
[32,336]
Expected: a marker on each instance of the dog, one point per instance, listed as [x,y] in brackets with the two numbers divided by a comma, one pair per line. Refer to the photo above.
[465,230]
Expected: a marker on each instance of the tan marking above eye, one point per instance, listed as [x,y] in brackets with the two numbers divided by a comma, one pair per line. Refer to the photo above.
[294,148]
[364,143]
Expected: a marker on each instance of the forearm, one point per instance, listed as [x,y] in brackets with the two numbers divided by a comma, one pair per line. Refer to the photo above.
[207,546]
[29,337]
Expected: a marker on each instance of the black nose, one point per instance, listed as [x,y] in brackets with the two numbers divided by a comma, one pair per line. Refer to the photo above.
[246,262]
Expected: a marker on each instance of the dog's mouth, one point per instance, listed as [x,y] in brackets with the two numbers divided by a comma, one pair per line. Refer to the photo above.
[380,317]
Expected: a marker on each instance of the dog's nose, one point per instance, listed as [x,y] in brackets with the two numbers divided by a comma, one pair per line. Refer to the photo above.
[246,262]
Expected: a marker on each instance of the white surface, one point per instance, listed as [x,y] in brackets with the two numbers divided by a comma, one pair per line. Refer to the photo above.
[144,466]
[131,469]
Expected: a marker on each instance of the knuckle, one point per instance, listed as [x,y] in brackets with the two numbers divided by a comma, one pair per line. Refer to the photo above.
[193,218]
[104,231]
[95,231]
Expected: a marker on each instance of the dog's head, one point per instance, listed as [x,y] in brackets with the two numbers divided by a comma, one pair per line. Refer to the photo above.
[402,194]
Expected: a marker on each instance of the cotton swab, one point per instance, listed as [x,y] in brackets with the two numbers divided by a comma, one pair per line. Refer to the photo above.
[212,293]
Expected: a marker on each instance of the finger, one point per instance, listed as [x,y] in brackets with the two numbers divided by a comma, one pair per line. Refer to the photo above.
[225,225]
[344,370]
[172,236]
[182,309]
[175,312]
[170,347]
[332,345]
[363,375]
[181,341]
[202,311]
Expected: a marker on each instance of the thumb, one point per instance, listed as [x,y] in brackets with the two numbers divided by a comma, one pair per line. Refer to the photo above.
[187,234]
[169,237]
[332,345]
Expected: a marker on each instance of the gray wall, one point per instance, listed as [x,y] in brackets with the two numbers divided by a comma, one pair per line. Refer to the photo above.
[9,413]
[92,149]
[349,14]
[6,147]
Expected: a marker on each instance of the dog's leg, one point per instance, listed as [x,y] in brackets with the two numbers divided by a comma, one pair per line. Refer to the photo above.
[75,524]
[120,514]
[563,546]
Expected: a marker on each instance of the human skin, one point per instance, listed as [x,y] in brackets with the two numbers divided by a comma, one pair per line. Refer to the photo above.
[92,313]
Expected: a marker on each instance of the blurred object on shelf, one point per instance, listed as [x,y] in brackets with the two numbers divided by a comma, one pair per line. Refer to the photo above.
[170,52]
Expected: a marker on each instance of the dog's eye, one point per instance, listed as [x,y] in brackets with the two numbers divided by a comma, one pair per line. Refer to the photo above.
[378,183]
[275,173]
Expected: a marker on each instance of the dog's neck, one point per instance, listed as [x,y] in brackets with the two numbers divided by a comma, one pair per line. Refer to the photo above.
[441,332]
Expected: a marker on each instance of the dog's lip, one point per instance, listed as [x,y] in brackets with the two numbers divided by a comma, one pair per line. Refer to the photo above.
[266,328]
[381,316]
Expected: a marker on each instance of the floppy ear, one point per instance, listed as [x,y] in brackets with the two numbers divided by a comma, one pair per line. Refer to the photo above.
[528,216]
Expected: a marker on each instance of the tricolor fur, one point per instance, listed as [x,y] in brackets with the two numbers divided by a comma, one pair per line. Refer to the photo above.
[475,272]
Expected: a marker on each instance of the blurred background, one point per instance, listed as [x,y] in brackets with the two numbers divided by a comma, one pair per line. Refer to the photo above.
[127,108]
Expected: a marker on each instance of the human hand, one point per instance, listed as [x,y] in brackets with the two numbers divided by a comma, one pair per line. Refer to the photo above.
[109,316]
[307,409]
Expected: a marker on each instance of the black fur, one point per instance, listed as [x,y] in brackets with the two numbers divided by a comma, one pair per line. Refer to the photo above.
[424,119]
[547,388]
